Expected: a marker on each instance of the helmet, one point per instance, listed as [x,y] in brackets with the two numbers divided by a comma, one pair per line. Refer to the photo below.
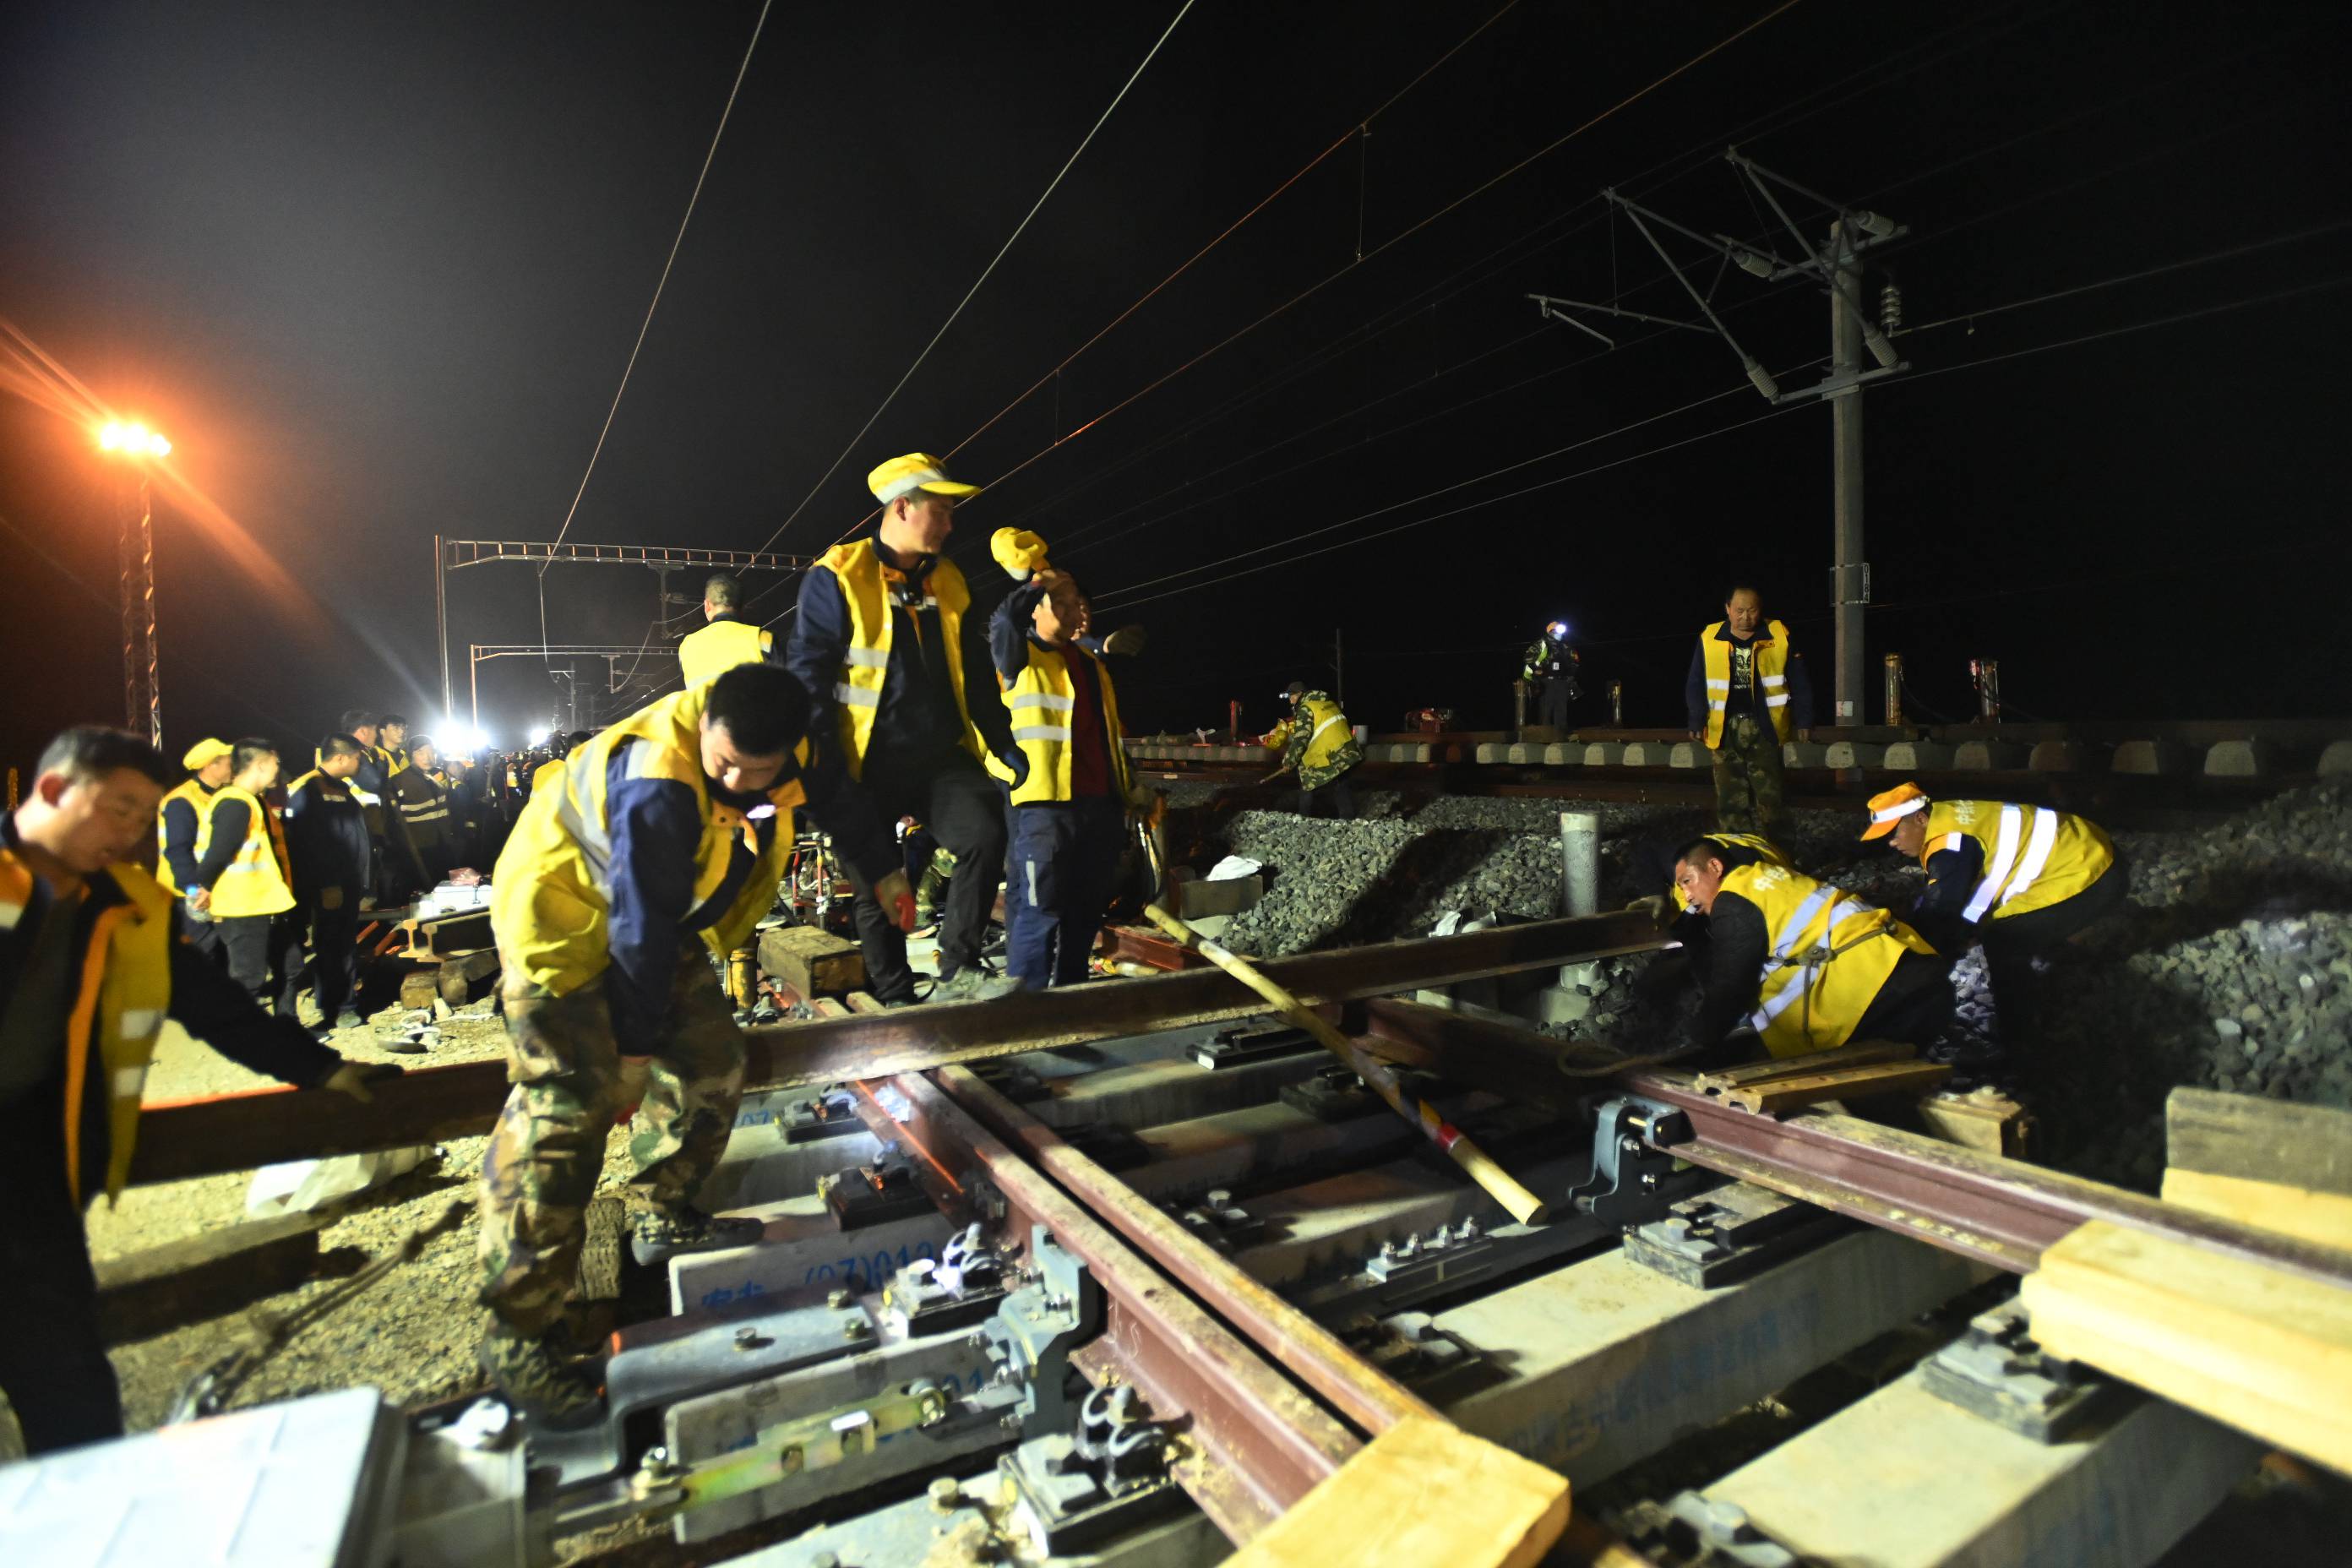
[1556,631]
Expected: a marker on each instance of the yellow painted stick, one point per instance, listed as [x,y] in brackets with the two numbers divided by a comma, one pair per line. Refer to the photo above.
[1523,1204]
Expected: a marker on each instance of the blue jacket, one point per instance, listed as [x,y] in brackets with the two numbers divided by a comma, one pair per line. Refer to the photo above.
[1800,687]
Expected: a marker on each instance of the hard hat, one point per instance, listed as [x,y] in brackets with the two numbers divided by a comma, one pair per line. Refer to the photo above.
[1558,629]
[1295,690]
[915,471]
[1018,550]
[1890,806]
[206,753]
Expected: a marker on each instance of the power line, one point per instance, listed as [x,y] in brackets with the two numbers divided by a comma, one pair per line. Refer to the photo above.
[1003,250]
[647,325]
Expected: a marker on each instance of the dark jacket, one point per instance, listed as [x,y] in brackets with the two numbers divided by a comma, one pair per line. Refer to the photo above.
[917,723]
[327,838]
[229,829]
[1011,636]
[180,840]
[204,1000]
[1800,687]
[656,832]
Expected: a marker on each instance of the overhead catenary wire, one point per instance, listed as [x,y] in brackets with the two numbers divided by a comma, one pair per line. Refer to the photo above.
[1003,250]
[645,325]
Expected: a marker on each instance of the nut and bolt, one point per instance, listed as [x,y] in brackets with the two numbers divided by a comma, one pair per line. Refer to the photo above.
[837,1299]
[825,1560]
[856,1328]
[1220,1197]
[946,1493]
[747,1338]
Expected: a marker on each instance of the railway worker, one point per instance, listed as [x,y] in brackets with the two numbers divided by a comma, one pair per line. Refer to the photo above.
[1319,746]
[90,968]
[1803,964]
[1550,665]
[392,744]
[250,874]
[727,640]
[368,786]
[429,824]
[663,836]
[327,837]
[1070,813]
[180,836]
[1747,694]
[890,661]
[2022,879]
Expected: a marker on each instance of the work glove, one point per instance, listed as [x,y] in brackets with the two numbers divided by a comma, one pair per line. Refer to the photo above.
[897,899]
[1016,762]
[1128,641]
[353,1078]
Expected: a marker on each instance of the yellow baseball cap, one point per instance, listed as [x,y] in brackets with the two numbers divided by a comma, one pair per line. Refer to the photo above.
[206,753]
[915,471]
[1889,806]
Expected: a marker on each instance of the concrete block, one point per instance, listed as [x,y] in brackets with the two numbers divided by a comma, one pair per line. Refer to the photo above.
[2242,760]
[2151,757]
[2336,759]
[1852,754]
[1689,754]
[1804,754]
[1604,755]
[1644,754]
[1522,753]
[1414,754]
[1491,751]
[2063,757]
[1988,756]
[1564,754]
[1917,757]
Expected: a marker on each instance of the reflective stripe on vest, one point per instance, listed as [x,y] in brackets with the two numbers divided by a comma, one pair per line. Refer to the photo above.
[1768,666]
[1835,971]
[708,652]
[872,593]
[1043,699]
[260,881]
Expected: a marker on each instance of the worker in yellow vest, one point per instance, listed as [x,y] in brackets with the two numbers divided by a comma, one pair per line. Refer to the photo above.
[2022,879]
[90,968]
[896,668]
[1319,746]
[1069,815]
[727,639]
[180,833]
[661,842]
[1747,695]
[392,744]
[250,876]
[1802,965]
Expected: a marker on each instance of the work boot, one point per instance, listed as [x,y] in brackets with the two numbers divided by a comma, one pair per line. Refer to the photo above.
[656,1236]
[973,984]
[349,1018]
[537,1380]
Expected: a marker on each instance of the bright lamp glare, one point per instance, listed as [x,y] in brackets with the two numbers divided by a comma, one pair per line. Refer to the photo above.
[159,446]
[116,436]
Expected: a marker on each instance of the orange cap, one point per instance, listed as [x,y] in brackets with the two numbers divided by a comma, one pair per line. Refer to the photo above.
[1890,806]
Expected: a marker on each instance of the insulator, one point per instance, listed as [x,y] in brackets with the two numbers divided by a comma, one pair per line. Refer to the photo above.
[1890,307]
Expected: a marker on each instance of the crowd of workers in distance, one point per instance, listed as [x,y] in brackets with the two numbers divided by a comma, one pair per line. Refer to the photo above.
[624,865]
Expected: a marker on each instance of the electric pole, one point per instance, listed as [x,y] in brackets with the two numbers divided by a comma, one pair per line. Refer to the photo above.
[1836,267]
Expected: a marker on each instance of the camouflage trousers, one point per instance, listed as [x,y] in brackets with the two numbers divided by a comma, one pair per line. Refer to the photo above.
[571,1082]
[1748,776]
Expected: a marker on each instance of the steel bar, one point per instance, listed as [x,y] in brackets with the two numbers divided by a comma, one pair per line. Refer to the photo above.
[1313,1354]
[2001,1212]
[1260,1443]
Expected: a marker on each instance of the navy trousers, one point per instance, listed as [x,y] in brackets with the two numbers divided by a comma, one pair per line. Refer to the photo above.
[1062,872]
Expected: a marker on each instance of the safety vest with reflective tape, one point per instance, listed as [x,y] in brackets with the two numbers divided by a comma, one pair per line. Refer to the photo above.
[1827,953]
[1770,665]
[201,800]
[551,897]
[1772,853]
[2033,856]
[261,880]
[869,587]
[711,652]
[1044,699]
[124,991]
[1326,726]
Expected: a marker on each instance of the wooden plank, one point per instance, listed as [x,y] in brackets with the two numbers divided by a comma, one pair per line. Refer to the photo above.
[455,980]
[2259,1139]
[864,1002]
[2255,1347]
[204,1276]
[812,961]
[2322,1218]
[1982,1120]
[1792,1067]
[1423,1491]
[1773,1096]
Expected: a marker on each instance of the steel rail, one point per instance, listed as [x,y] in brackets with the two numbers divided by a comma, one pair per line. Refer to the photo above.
[260,1126]
[1255,1443]
[1311,1353]
[1997,1211]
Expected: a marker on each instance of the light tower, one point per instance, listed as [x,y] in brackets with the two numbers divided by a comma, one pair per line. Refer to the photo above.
[138,445]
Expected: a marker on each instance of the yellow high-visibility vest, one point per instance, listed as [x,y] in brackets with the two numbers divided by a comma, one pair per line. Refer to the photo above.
[711,652]
[1044,700]
[865,587]
[1769,666]
[1828,952]
[2033,856]
[201,799]
[124,990]
[551,896]
[1326,726]
[1772,853]
[261,880]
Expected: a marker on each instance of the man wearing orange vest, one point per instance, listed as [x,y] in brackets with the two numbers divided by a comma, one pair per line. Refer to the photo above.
[895,665]
[90,965]
[2022,879]
[1747,696]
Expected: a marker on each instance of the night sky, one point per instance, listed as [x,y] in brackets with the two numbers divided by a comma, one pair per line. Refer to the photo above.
[377,271]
